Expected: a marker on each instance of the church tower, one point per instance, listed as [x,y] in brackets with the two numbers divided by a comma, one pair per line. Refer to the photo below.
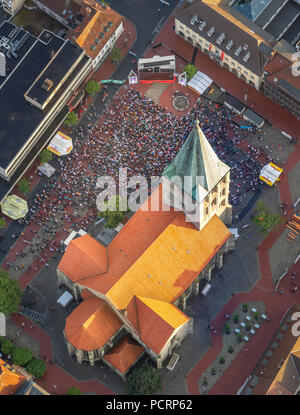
[197,182]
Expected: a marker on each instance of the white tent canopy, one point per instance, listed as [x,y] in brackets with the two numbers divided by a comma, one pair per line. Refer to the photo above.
[65,299]
[46,169]
[60,144]
[200,82]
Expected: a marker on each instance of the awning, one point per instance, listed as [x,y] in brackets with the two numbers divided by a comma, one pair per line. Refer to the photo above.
[14,207]
[200,82]
[46,169]
[270,173]
[61,144]
[65,299]
[206,289]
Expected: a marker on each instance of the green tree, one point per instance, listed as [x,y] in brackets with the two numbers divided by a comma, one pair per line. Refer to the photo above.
[264,219]
[245,308]
[248,326]
[7,346]
[236,318]
[230,349]
[74,391]
[213,371]
[222,360]
[10,294]
[92,87]
[143,380]
[227,329]
[2,223]
[239,337]
[23,186]
[112,211]
[190,70]
[36,367]
[204,382]
[116,55]
[21,356]
[256,315]
[46,156]
[72,119]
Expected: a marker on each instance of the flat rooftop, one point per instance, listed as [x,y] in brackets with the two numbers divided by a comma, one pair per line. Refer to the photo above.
[19,119]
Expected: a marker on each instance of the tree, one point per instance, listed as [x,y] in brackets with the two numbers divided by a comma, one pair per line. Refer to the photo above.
[264,219]
[227,329]
[23,186]
[10,294]
[74,391]
[72,119]
[213,371]
[2,223]
[116,55]
[204,382]
[22,356]
[111,211]
[248,326]
[236,318]
[245,308]
[256,315]
[45,156]
[230,349]
[190,70]
[36,367]
[143,380]
[222,360]
[239,337]
[7,346]
[92,87]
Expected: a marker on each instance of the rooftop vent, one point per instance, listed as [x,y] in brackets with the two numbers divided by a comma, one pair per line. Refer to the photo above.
[93,47]
[220,38]
[246,57]
[194,19]
[97,40]
[202,25]
[47,84]
[238,50]
[211,31]
[229,44]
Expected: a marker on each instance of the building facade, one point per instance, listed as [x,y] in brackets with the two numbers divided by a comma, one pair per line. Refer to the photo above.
[12,6]
[225,41]
[42,75]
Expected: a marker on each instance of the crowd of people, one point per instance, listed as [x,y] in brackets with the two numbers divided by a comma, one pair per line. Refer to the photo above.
[143,137]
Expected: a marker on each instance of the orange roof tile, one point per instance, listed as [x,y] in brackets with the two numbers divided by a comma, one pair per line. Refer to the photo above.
[95,20]
[10,380]
[84,257]
[154,320]
[124,354]
[188,251]
[277,389]
[91,324]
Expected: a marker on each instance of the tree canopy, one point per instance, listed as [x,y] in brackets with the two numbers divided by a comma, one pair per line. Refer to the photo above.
[111,213]
[7,346]
[45,156]
[72,119]
[21,356]
[92,87]
[10,294]
[116,55]
[190,70]
[143,380]
[2,223]
[36,367]
[74,391]
[264,219]
[23,186]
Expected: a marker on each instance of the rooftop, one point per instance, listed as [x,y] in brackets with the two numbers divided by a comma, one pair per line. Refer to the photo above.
[218,22]
[98,24]
[28,60]
[91,324]
[10,379]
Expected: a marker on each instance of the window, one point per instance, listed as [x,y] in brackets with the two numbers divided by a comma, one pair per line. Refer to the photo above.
[206,211]
[223,202]
[214,202]
[226,59]
[223,192]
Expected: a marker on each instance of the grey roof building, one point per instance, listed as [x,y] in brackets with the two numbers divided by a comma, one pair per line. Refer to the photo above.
[40,76]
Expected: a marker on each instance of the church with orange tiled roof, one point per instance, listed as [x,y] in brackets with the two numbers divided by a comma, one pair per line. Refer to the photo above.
[133,293]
